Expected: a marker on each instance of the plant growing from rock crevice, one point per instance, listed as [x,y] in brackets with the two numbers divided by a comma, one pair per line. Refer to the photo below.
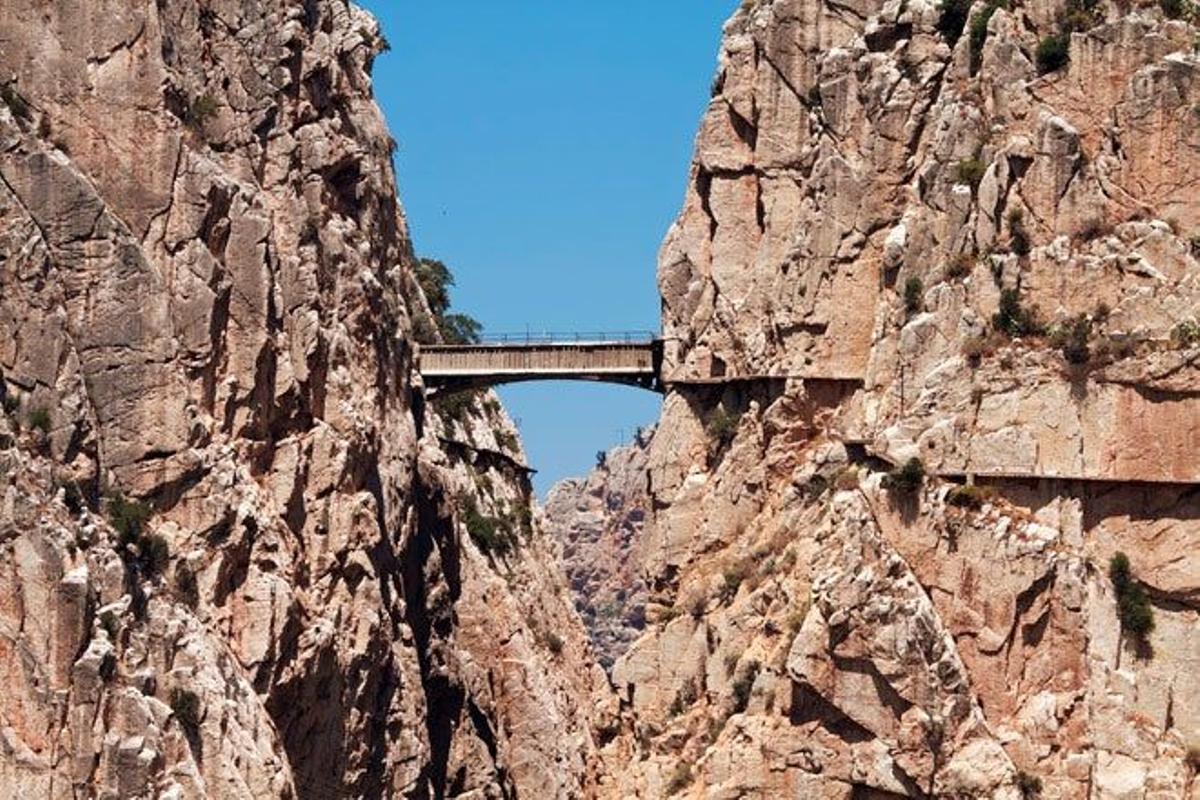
[1134,611]
[914,292]
[906,479]
[1014,319]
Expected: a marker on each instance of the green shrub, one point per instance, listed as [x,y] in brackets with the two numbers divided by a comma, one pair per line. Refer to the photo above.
[435,280]
[554,643]
[108,667]
[952,19]
[10,403]
[39,420]
[1014,320]
[1186,334]
[680,779]
[732,577]
[186,585]
[185,705]
[971,496]
[154,553]
[1053,53]
[914,292]
[684,698]
[487,532]
[460,329]
[1133,607]
[970,172]
[111,625]
[906,479]
[979,32]
[17,104]
[1072,339]
[73,498]
[507,441]
[455,405]
[960,266]
[1175,9]
[128,517]
[742,686]
[200,111]
[1018,236]
[1030,786]
[722,426]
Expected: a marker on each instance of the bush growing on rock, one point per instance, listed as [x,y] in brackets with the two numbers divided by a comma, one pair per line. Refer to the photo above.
[952,19]
[1053,53]
[455,405]
[970,171]
[979,26]
[1030,786]
[1072,339]
[1013,319]
[743,685]
[485,531]
[732,577]
[128,517]
[10,402]
[1185,334]
[39,420]
[906,479]
[185,705]
[681,778]
[201,111]
[1018,235]
[1133,607]
[186,585]
[971,496]
[914,291]
[17,104]
[1176,9]
[722,426]
[554,643]
[960,266]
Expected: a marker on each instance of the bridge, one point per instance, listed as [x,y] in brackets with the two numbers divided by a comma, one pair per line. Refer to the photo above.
[632,359]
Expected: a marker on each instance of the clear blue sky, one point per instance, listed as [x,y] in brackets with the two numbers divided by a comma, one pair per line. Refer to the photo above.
[543,153]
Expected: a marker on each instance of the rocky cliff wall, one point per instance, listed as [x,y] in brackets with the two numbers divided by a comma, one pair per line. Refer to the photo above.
[600,523]
[969,242]
[238,557]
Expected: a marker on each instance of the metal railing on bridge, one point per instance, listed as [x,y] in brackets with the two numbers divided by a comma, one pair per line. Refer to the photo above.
[564,337]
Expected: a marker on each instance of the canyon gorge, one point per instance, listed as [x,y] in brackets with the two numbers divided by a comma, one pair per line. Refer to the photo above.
[919,518]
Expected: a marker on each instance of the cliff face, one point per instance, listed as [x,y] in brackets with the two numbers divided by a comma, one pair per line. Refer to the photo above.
[974,249]
[600,522]
[237,559]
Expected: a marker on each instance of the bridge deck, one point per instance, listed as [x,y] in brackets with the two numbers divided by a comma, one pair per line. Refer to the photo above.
[466,366]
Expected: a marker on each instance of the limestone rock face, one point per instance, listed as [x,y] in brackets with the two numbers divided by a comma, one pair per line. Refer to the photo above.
[599,521]
[900,243]
[238,557]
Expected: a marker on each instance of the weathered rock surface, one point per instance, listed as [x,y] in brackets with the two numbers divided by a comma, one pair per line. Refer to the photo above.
[599,522]
[206,306]
[864,194]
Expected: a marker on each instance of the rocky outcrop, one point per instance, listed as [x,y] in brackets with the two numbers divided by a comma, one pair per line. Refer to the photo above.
[904,241]
[599,521]
[240,556]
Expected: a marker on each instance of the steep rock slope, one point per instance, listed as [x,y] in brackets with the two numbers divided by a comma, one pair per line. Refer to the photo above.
[237,554]
[972,242]
[600,520]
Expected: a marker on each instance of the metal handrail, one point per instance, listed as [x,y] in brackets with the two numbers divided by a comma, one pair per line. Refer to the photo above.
[551,337]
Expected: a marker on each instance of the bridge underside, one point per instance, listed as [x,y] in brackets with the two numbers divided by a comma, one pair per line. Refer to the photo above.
[461,367]
[446,384]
